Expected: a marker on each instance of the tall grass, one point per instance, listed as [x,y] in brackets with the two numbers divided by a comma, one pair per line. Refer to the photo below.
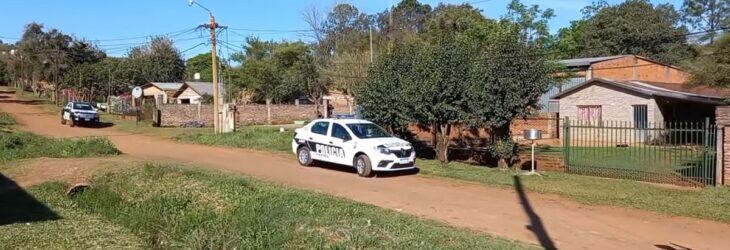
[169,207]
[260,138]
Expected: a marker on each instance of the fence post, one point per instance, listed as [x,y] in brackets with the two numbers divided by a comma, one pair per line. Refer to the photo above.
[566,141]
[719,154]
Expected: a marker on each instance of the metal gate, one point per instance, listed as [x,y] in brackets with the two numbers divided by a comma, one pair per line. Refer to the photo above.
[680,153]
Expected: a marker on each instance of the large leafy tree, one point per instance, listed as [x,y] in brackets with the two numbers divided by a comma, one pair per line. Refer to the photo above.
[202,64]
[708,16]
[404,21]
[635,27]
[158,61]
[712,66]
[532,21]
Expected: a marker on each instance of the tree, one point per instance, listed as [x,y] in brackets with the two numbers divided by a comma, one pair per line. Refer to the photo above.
[707,16]
[532,21]
[203,64]
[403,22]
[567,43]
[507,80]
[158,61]
[636,27]
[712,66]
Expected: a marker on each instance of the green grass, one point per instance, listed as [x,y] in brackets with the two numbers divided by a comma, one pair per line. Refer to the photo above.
[15,145]
[707,203]
[173,207]
[28,223]
[258,137]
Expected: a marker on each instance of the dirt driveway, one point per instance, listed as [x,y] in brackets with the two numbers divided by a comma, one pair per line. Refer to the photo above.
[545,220]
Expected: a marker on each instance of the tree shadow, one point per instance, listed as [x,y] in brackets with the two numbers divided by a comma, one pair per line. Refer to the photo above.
[672,246]
[536,225]
[10,92]
[18,206]
[97,125]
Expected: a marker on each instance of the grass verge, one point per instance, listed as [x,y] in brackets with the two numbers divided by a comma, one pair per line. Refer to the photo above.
[15,145]
[255,137]
[708,203]
[174,207]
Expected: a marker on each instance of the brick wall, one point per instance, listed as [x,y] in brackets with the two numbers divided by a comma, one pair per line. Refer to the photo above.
[722,119]
[173,115]
[280,114]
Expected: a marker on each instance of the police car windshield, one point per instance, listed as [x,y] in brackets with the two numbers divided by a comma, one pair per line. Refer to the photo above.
[83,106]
[367,130]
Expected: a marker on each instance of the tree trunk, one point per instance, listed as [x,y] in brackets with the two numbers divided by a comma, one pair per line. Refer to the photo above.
[501,133]
[442,145]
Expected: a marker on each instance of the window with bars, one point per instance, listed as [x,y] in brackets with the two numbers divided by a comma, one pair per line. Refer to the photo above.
[589,113]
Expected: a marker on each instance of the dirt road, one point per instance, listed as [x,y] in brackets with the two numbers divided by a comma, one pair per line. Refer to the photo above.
[544,220]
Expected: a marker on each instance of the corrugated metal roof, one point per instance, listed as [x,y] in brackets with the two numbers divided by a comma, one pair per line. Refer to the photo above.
[202,88]
[167,85]
[577,62]
[651,89]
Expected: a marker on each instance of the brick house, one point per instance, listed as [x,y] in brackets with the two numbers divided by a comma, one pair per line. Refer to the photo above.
[166,89]
[192,92]
[633,89]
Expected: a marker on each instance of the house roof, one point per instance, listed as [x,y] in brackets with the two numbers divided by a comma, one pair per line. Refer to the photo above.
[165,85]
[669,90]
[202,88]
[578,62]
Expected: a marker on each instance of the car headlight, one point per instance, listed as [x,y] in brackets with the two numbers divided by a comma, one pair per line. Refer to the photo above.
[383,150]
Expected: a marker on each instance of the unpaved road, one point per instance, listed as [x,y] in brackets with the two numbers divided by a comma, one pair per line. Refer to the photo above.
[544,220]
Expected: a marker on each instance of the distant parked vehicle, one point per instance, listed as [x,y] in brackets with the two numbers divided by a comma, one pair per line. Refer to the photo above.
[352,142]
[77,113]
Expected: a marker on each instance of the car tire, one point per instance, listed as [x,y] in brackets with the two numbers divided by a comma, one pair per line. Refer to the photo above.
[304,156]
[363,166]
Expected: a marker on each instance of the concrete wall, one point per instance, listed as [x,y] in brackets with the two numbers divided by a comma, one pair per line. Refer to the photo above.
[616,104]
[722,119]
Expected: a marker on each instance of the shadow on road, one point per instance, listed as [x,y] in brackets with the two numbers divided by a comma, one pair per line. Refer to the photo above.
[672,247]
[536,225]
[99,125]
[348,169]
[18,206]
[10,92]
[24,102]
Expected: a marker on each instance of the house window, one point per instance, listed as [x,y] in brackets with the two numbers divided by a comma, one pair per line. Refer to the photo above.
[589,113]
[185,101]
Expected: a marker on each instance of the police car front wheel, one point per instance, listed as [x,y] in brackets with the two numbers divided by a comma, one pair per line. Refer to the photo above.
[362,164]
[304,156]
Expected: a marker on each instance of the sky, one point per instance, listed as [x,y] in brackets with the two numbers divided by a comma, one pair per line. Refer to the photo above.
[118,25]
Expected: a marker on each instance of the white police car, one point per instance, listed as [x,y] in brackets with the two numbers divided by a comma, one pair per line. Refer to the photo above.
[75,113]
[352,142]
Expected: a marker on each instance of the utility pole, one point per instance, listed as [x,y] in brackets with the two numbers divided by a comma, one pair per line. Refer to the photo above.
[212,26]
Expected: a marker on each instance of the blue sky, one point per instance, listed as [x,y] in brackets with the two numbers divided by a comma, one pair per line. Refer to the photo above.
[107,20]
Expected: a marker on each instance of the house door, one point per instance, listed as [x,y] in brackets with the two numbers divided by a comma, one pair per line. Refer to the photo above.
[641,122]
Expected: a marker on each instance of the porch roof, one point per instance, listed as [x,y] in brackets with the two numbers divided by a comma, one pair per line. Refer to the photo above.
[669,90]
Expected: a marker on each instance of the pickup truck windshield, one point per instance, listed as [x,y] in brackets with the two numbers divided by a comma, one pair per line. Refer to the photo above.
[83,106]
[367,130]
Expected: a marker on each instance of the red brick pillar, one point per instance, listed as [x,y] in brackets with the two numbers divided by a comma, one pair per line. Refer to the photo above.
[722,119]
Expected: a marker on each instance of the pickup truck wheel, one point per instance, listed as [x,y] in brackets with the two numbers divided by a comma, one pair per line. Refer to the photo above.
[363,166]
[304,156]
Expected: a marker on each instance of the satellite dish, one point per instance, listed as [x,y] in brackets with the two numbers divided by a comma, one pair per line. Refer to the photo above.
[137,92]
[196,76]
